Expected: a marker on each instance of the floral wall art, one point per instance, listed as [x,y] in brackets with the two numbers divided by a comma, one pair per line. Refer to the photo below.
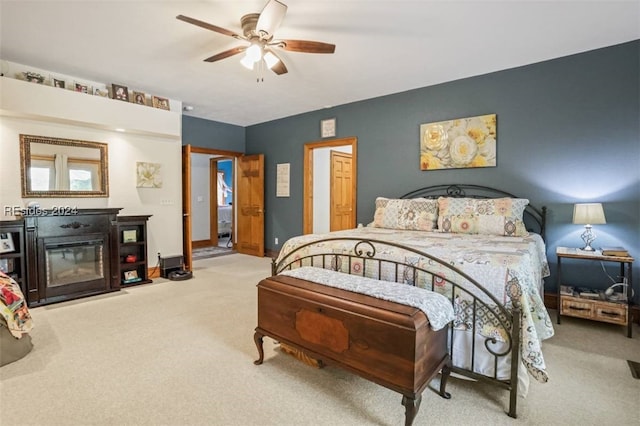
[148,175]
[460,143]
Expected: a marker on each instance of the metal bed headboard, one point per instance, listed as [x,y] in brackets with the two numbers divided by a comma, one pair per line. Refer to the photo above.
[534,218]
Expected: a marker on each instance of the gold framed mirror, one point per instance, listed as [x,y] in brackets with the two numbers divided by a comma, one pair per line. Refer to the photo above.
[63,168]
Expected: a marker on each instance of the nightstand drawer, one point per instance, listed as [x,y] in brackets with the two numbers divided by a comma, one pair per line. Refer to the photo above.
[609,312]
[577,307]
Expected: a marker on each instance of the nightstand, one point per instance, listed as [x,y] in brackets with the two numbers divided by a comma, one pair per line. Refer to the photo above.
[596,308]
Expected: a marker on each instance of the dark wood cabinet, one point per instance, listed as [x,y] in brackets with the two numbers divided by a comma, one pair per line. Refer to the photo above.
[133,264]
[12,254]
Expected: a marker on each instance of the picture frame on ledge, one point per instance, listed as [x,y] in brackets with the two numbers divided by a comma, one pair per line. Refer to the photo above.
[139,98]
[58,83]
[161,103]
[101,92]
[120,92]
[82,88]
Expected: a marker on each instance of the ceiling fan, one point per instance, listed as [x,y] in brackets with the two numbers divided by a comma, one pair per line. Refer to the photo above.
[258,29]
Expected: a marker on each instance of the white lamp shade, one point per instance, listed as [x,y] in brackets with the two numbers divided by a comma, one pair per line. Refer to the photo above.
[270,59]
[254,52]
[588,214]
[247,62]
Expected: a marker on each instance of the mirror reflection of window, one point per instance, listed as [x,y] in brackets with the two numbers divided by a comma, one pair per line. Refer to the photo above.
[79,180]
[40,178]
[72,168]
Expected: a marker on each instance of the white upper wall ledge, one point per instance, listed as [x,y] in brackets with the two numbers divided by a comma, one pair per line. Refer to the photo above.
[29,100]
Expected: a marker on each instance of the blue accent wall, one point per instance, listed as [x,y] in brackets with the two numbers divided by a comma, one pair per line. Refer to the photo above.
[212,134]
[568,132]
[225,166]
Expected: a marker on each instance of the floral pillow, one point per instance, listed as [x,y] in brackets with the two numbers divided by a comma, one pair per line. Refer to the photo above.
[416,214]
[491,216]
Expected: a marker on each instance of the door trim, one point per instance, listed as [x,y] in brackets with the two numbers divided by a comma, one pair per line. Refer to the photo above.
[307,208]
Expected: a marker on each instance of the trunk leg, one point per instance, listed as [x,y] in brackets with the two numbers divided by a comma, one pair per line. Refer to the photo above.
[411,408]
[257,337]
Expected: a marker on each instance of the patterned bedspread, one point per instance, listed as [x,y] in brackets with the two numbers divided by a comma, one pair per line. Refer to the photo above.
[435,306]
[510,268]
[14,307]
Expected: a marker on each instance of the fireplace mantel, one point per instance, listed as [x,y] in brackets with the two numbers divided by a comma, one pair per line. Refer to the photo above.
[87,236]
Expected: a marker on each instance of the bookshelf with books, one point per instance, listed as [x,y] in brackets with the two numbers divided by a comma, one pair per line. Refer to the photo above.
[132,250]
[595,304]
[12,253]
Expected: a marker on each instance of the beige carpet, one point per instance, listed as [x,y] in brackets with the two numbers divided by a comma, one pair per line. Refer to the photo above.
[181,353]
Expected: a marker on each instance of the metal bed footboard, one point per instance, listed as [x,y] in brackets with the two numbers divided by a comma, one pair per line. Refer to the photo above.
[365,257]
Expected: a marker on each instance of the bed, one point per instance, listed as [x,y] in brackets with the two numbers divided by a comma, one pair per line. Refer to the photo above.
[224,220]
[481,247]
[15,322]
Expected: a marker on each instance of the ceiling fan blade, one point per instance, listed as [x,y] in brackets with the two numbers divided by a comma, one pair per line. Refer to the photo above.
[226,54]
[279,67]
[208,26]
[271,17]
[305,46]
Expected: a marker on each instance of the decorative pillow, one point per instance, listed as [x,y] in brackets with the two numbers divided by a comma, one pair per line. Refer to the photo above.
[416,214]
[492,216]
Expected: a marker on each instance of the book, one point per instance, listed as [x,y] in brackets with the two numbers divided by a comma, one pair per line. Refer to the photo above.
[566,290]
[614,251]
[588,293]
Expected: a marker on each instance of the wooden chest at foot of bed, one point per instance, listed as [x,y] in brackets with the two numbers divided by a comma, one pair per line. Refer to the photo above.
[385,342]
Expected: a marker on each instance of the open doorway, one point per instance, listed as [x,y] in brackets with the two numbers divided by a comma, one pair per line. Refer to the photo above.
[212,184]
[209,178]
[330,171]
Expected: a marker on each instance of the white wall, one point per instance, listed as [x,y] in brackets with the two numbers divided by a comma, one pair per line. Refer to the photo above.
[322,186]
[151,135]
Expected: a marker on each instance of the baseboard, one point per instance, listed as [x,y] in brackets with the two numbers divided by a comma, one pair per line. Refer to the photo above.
[154,272]
[551,302]
[271,253]
[202,243]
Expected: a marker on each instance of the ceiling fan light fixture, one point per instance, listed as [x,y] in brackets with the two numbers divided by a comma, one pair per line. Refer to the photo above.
[247,62]
[270,59]
[254,53]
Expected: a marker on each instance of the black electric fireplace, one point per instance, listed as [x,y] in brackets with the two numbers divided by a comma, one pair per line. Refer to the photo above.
[71,256]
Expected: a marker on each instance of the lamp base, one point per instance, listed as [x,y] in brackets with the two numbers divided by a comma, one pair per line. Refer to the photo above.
[588,236]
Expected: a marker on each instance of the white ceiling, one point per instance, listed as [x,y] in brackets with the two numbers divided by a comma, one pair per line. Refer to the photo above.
[382,47]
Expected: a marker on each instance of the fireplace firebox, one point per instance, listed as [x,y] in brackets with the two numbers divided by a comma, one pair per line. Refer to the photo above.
[71,256]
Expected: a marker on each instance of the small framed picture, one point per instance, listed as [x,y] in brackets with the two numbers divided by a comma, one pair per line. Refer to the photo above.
[101,92]
[162,103]
[120,93]
[139,98]
[130,275]
[328,128]
[82,88]
[58,83]
[129,236]
[6,243]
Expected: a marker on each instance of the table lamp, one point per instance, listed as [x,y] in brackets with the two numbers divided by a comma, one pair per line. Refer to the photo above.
[588,214]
